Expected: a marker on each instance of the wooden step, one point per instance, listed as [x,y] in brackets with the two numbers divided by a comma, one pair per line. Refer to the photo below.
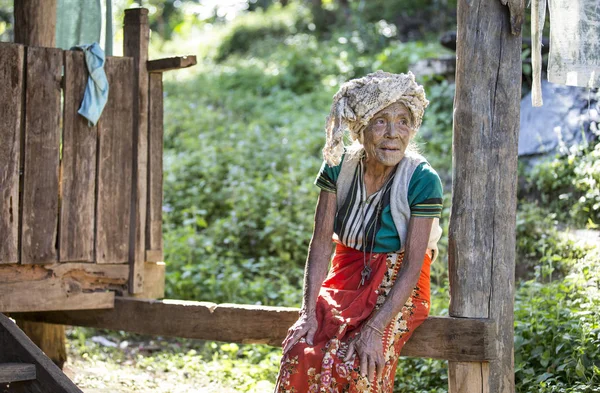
[15,372]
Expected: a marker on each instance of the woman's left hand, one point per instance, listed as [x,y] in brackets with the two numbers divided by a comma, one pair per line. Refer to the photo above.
[369,348]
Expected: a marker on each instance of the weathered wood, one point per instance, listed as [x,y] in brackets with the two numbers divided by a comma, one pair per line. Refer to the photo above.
[41,159]
[17,347]
[171,63]
[11,91]
[51,339]
[60,286]
[115,149]
[154,240]
[438,337]
[35,22]
[482,227]
[154,256]
[462,378]
[516,8]
[135,44]
[78,168]
[15,372]
[154,281]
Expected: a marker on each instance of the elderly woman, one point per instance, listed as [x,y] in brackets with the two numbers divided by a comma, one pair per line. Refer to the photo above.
[380,201]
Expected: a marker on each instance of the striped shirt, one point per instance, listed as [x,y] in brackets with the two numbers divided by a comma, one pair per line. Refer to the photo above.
[366,223]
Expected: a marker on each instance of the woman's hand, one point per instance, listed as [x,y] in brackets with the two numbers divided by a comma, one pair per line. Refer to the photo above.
[369,348]
[306,325]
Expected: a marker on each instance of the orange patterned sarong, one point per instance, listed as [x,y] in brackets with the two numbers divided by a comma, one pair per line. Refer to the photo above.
[342,307]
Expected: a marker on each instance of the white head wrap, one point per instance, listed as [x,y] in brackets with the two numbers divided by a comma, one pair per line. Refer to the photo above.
[358,100]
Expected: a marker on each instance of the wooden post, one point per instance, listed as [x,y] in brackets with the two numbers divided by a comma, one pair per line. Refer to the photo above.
[482,227]
[137,35]
[35,22]
[35,25]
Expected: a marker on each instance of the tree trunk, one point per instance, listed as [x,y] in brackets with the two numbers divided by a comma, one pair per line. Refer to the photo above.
[35,25]
[35,22]
[481,249]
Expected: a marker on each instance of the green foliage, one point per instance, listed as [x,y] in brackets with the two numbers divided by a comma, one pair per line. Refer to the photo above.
[570,185]
[259,25]
[557,331]
[540,246]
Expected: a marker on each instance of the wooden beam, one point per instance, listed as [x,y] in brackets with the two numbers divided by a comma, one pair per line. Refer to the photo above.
[171,63]
[438,337]
[15,372]
[17,347]
[135,44]
[481,244]
[60,286]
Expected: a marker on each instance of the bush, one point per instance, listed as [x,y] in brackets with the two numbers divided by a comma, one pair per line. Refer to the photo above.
[557,331]
[570,185]
[255,26]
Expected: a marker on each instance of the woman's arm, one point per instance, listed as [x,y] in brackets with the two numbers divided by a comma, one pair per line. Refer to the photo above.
[317,264]
[369,346]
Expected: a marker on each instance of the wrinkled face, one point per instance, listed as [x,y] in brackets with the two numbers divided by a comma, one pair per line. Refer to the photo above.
[388,134]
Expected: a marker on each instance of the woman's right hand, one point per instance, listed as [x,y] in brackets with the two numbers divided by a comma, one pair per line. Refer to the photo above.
[306,325]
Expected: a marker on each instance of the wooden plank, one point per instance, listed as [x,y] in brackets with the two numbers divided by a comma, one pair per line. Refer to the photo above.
[60,286]
[154,281]
[482,227]
[115,149]
[15,372]
[171,63]
[154,240]
[438,337]
[135,44]
[41,159]
[78,168]
[11,91]
[17,347]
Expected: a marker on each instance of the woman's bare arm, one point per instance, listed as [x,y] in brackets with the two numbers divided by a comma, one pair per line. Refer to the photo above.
[317,264]
[417,239]
[368,345]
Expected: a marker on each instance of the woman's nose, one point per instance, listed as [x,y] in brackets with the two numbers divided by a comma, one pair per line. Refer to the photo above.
[396,130]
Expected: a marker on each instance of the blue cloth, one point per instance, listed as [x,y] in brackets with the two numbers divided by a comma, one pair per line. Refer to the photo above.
[96,90]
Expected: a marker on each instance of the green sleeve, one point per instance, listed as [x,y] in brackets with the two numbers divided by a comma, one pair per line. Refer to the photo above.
[425,192]
[327,177]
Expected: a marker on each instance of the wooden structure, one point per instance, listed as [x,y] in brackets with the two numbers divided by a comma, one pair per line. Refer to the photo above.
[83,222]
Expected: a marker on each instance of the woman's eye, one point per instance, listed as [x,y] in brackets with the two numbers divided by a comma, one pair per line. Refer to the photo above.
[404,122]
[379,122]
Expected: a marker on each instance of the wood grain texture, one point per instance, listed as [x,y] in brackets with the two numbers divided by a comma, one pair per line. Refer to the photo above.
[35,22]
[467,377]
[438,337]
[154,281]
[135,44]
[115,149]
[154,240]
[41,159]
[11,91]
[78,168]
[482,227]
[14,372]
[171,63]
[17,347]
[61,286]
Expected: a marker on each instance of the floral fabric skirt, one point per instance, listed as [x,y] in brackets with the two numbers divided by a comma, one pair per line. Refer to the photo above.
[342,307]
